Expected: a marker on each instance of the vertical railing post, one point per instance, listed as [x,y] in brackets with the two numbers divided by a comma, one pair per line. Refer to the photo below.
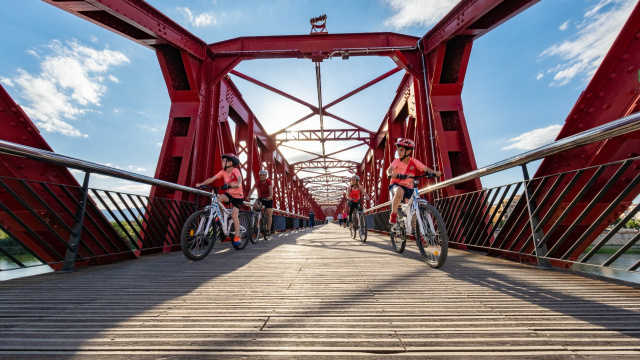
[74,239]
[543,263]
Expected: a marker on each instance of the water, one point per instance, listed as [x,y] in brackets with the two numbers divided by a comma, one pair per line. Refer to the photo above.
[12,271]
[616,270]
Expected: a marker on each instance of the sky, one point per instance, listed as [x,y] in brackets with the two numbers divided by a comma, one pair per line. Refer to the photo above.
[99,97]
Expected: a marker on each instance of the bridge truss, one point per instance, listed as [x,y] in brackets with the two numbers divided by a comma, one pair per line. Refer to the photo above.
[428,104]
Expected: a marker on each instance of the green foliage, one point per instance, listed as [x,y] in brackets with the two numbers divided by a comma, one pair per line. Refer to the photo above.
[121,226]
[632,224]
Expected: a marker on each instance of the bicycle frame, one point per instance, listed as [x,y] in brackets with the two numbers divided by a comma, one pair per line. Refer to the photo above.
[221,216]
[414,205]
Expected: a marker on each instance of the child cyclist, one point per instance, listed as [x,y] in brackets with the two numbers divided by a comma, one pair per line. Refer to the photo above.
[405,164]
[234,194]
[355,194]
[265,191]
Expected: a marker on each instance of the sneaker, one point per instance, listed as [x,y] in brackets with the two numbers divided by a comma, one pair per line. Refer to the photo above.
[237,240]
[393,218]
[267,234]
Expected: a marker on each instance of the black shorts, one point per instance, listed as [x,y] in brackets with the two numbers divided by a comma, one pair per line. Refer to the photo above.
[268,204]
[407,192]
[236,202]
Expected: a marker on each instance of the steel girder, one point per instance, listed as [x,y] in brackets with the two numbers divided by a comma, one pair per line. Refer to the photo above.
[613,92]
[41,209]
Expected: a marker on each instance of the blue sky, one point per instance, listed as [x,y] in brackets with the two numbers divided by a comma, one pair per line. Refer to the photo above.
[100,97]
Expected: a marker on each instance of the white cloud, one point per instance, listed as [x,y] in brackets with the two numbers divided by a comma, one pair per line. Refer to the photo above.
[534,139]
[599,28]
[417,12]
[33,53]
[114,79]
[6,81]
[564,25]
[93,39]
[204,19]
[69,84]
[539,76]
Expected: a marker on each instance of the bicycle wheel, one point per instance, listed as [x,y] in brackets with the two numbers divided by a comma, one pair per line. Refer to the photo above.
[362,230]
[352,229]
[255,228]
[433,245]
[398,240]
[245,231]
[195,243]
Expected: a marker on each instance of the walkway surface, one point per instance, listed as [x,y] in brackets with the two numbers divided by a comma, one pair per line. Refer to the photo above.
[317,293]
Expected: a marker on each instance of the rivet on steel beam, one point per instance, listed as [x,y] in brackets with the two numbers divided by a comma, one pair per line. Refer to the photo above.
[637,36]
[13,109]
[601,94]
[25,137]
[575,116]
[606,107]
[29,129]
[13,123]
[580,126]
[582,106]
[1,109]
[631,92]
[631,68]
[625,57]
[590,110]
[613,76]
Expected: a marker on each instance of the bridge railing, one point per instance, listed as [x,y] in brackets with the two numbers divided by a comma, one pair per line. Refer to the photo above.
[64,225]
[574,218]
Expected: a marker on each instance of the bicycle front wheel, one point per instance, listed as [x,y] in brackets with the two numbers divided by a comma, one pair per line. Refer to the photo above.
[362,230]
[255,228]
[352,229]
[398,239]
[245,231]
[434,242]
[196,242]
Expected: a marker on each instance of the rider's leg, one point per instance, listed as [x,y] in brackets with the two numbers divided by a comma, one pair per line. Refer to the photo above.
[222,200]
[398,195]
[236,222]
[269,219]
[352,206]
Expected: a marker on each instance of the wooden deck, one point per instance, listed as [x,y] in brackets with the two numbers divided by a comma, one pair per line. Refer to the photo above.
[321,294]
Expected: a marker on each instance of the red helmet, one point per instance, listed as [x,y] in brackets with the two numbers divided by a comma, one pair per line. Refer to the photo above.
[407,143]
[233,158]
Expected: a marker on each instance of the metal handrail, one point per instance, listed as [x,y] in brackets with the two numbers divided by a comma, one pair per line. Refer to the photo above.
[603,132]
[32,153]
[28,152]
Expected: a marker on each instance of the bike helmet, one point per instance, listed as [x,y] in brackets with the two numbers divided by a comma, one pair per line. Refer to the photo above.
[356,177]
[263,172]
[407,143]
[233,158]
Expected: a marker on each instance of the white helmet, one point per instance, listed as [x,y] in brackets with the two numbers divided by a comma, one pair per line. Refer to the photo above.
[263,172]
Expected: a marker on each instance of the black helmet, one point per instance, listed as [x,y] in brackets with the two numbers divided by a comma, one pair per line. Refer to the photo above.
[233,158]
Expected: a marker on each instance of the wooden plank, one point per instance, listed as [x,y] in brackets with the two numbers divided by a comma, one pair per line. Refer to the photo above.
[318,294]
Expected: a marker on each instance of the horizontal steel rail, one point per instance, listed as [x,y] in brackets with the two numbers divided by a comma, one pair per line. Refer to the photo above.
[28,152]
[603,132]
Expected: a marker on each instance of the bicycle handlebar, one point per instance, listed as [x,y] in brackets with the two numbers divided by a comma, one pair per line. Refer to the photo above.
[428,175]
[223,187]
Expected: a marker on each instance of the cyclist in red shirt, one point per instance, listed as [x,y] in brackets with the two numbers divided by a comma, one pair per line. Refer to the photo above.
[355,194]
[265,191]
[405,164]
[234,194]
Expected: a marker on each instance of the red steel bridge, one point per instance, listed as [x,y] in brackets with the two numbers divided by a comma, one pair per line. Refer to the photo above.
[428,105]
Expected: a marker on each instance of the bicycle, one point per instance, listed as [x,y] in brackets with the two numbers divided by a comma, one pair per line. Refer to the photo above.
[359,226]
[259,224]
[425,223]
[203,227]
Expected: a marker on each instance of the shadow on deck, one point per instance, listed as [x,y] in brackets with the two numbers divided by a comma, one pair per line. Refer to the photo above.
[317,293]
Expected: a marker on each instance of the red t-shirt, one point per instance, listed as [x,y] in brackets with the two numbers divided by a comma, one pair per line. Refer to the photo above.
[263,188]
[355,194]
[412,168]
[229,178]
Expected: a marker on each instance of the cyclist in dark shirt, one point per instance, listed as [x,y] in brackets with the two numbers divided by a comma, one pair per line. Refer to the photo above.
[265,191]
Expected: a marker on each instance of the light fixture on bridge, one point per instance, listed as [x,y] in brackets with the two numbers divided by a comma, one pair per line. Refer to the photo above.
[345,55]
[319,25]
[399,59]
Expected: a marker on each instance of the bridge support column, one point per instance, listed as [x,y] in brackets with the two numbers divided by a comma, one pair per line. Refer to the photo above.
[543,263]
[74,240]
